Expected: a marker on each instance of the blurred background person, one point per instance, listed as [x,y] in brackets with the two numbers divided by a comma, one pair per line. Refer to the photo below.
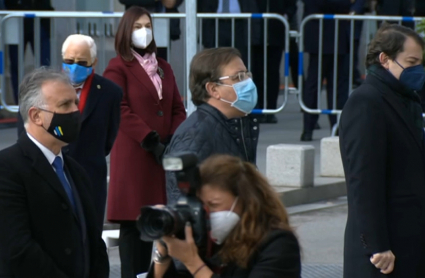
[224,93]
[311,46]
[397,8]
[249,226]
[357,8]
[275,47]
[151,111]
[29,5]
[99,105]
[161,6]
[382,149]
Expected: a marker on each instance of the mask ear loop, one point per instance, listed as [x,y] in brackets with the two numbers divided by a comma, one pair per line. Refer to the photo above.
[233,206]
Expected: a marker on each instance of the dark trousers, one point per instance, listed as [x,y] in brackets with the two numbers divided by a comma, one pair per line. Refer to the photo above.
[135,254]
[310,86]
[293,60]
[29,37]
[274,57]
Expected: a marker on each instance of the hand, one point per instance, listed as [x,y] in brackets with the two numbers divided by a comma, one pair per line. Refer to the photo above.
[184,250]
[169,4]
[384,261]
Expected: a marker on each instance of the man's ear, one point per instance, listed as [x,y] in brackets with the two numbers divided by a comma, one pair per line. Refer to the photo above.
[383,59]
[34,116]
[211,88]
[94,63]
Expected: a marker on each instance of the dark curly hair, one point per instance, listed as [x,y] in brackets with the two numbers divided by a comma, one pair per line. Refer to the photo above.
[390,39]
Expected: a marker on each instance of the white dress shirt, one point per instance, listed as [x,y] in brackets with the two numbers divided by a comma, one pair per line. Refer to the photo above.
[50,156]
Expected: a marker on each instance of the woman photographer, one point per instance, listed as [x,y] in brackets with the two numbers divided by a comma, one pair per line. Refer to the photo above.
[249,226]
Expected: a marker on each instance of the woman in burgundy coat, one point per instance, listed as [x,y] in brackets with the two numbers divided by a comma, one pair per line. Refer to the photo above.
[151,110]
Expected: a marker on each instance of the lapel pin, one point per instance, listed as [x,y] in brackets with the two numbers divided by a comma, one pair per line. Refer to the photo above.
[98,86]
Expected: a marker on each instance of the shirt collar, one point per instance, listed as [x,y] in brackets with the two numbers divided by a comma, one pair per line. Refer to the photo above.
[50,156]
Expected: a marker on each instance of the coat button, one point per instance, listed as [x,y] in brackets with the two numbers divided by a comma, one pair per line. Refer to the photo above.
[68,251]
[236,128]
[64,206]
[255,120]
[255,128]
[238,140]
[160,113]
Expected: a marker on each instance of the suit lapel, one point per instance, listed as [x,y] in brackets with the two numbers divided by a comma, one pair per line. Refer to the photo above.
[95,94]
[398,107]
[42,167]
[141,75]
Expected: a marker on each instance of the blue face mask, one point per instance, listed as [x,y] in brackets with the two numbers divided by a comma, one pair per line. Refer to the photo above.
[412,77]
[246,95]
[78,74]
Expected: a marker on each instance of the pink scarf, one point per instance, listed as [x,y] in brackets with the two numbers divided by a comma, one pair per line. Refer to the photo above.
[150,65]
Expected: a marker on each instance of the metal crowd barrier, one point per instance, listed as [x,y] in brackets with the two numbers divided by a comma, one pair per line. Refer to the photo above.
[105,29]
[351,18]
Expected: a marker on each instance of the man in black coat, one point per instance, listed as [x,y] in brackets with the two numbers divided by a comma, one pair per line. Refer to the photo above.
[397,8]
[48,222]
[382,149]
[311,46]
[216,127]
[99,105]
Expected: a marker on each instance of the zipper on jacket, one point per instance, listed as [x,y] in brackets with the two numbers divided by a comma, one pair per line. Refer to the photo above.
[243,141]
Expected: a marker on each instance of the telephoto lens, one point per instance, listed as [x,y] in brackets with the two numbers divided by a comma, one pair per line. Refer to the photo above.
[156,222]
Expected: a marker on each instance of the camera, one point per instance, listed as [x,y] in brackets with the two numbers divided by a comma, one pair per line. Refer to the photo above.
[156,222]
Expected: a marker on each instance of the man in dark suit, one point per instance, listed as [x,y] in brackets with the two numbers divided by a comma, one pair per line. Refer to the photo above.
[99,105]
[47,220]
[311,46]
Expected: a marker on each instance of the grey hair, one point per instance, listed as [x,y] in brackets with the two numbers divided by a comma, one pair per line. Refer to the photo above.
[30,93]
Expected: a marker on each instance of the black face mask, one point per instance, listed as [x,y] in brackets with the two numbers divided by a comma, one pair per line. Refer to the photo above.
[65,127]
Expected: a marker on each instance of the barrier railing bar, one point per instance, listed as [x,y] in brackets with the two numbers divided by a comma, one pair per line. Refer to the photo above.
[319,72]
[335,81]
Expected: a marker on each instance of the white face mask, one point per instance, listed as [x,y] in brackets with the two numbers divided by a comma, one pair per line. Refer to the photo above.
[222,223]
[142,37]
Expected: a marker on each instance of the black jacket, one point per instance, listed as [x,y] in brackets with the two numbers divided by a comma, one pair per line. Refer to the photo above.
[277,256]
[39,234]
[382,152]
[206,132]
[99,128]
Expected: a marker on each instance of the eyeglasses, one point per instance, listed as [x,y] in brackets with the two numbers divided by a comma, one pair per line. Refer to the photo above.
[80,63]
[240,76]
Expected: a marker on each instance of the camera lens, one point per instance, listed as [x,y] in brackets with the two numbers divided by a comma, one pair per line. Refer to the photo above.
[155,223]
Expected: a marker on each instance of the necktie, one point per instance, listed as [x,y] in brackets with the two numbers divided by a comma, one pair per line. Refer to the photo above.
[226,6]
[57,164]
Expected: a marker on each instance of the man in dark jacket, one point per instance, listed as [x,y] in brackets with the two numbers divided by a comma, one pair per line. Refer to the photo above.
[311,45]
[382,149]
[275,48]
[48,226]
[224,93]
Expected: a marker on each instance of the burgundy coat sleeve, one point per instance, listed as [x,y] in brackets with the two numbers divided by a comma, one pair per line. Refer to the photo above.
[131,124]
